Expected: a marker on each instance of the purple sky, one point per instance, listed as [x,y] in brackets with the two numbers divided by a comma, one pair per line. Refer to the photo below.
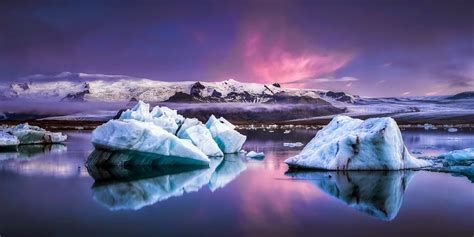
[374,48]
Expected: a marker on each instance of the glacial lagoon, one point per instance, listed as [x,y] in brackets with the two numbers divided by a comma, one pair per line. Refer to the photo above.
[47,190]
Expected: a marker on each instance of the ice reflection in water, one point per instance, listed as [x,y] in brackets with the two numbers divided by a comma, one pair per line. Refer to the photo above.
[30,160]
[32,151]
[377,193]
[134,187]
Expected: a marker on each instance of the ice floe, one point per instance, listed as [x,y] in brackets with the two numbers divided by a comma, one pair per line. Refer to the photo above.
[353,144]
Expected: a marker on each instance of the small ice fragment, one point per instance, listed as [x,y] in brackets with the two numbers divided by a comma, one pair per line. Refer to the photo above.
[452,129]
[293,144]
[253,154]
[428,126]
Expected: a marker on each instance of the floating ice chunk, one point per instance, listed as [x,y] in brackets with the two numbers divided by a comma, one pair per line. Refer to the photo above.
[293,144]
[202,138]
[452,129]
[286,131]
[458,157]
[7,140]
[379,194]
[147,137]
[228,140]
[428,126]
[353,144]
[253,154]
[460,162]
[27,134]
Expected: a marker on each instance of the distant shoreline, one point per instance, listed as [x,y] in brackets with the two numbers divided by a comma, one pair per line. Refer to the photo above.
[465,122]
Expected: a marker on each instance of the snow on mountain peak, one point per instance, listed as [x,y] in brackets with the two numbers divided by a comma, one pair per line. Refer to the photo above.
[118,88]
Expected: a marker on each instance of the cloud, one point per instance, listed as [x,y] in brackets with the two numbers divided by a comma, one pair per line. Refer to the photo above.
[406,93]
[271,54]
[323,80]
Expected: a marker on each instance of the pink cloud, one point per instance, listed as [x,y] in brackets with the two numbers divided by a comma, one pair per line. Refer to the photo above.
[282,56]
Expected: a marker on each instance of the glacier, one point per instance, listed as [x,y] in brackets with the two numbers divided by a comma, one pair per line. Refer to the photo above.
[166,136]
[354,144]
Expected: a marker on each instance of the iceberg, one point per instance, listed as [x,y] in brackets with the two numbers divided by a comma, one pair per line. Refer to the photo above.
[253,154]
[148,138]
[378,194]
[27,134]
[8,141]
[164,137]
[228,140]
[353,144]
[200,136]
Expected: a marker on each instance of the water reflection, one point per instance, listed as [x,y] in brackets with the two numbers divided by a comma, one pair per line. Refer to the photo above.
[33,160]
[134,187]
[26,152]
[378,193]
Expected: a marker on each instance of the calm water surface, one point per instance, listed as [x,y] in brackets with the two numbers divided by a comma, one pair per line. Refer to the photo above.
[47,191]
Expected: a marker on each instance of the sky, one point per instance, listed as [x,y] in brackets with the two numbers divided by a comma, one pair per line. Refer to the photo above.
[371,48]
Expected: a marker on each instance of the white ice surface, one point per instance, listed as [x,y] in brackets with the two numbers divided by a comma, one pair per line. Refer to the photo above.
[253,154]
[202,138]
[134,135]
[228,139]
[28,134]
[353,144]
[7,140]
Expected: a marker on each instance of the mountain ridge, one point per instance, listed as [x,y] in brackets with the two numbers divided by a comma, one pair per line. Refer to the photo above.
[83,87]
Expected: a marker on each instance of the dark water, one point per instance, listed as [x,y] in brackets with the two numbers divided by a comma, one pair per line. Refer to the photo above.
[46,191]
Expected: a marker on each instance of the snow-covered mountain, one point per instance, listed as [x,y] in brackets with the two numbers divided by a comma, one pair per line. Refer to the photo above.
[68,86]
